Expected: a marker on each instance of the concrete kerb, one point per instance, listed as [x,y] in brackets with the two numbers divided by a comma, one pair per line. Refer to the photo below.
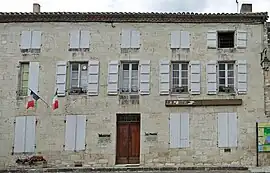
[117,169]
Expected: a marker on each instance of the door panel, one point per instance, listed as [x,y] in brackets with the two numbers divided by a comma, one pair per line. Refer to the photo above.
[122,143]
[134,143]
[128,143]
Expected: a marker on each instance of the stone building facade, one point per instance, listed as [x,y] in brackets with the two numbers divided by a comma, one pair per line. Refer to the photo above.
[154,89]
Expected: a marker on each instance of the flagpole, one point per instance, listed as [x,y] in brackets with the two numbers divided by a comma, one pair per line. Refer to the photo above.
[40,98]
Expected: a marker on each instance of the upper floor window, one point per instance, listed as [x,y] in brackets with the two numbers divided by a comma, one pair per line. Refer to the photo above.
[78,76]
[226,76]
[130,39]
[79,40]
[179,77]
[81,77]
[30,41]
[24,77]
[226,39]
[129,77]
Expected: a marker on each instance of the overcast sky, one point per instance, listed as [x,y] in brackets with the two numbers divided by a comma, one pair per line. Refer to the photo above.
[133,5]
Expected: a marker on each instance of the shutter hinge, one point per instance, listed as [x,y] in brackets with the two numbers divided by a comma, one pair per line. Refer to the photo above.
[86,120]
[85,145]
[35,146]
[65,121]
[14,122]
[64,146]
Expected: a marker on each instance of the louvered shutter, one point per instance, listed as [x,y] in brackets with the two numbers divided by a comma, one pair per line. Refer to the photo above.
[93,77]
[85,39]
[242,77]
[211,70]
[26,40]
[185,40]
[144,77]
[112,78]
[164,77]
[70,134]
[175,39]
[232,129]
[30,134]
[74,39]
[61,68]
[195,78]
[135,39]
[241,39]
[223,130]
[33,80]
[212,39]
[80,132]
[175,130]
[19,136]
[36,40]
[184,130]
[125,38]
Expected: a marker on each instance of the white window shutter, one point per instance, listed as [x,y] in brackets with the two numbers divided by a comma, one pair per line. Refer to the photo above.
[61,69]
[195,77]
[242,77]
[135,39]
[33,77]
[211,70]
[145,77]
[36,40]
[85,40]
[112,78]
[241,39]
[80,132]
[125,38]
[232,129]
[70,134]
[164,77]
[30,134]
[184,130]
[19,136]
[212,39]
[175,129]
[185,40]
[223,130]
[175,39]
[93,78]
[26,40]
[74,39]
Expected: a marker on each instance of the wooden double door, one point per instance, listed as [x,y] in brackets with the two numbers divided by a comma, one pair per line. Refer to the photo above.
[128,139]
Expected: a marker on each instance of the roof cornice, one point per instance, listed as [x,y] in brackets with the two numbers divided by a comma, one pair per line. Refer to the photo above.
[120,17]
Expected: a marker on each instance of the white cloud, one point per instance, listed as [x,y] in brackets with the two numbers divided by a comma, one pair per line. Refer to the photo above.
[132,6]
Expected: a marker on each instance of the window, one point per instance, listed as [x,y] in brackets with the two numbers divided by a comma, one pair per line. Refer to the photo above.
[78,75]
[25,134]
[226,76]
[225,39]
[179,130]
[30,41]
[79,40]
[227,130]
[75,132]
[129,77]
[24,77]
[179,77]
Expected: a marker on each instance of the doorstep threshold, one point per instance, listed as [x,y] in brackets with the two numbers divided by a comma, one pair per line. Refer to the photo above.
[127,165]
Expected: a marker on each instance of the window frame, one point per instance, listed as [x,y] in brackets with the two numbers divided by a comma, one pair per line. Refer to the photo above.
[180,76]
[226,78]
[223,32]
[21,77]
[80,63]
[121,77]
